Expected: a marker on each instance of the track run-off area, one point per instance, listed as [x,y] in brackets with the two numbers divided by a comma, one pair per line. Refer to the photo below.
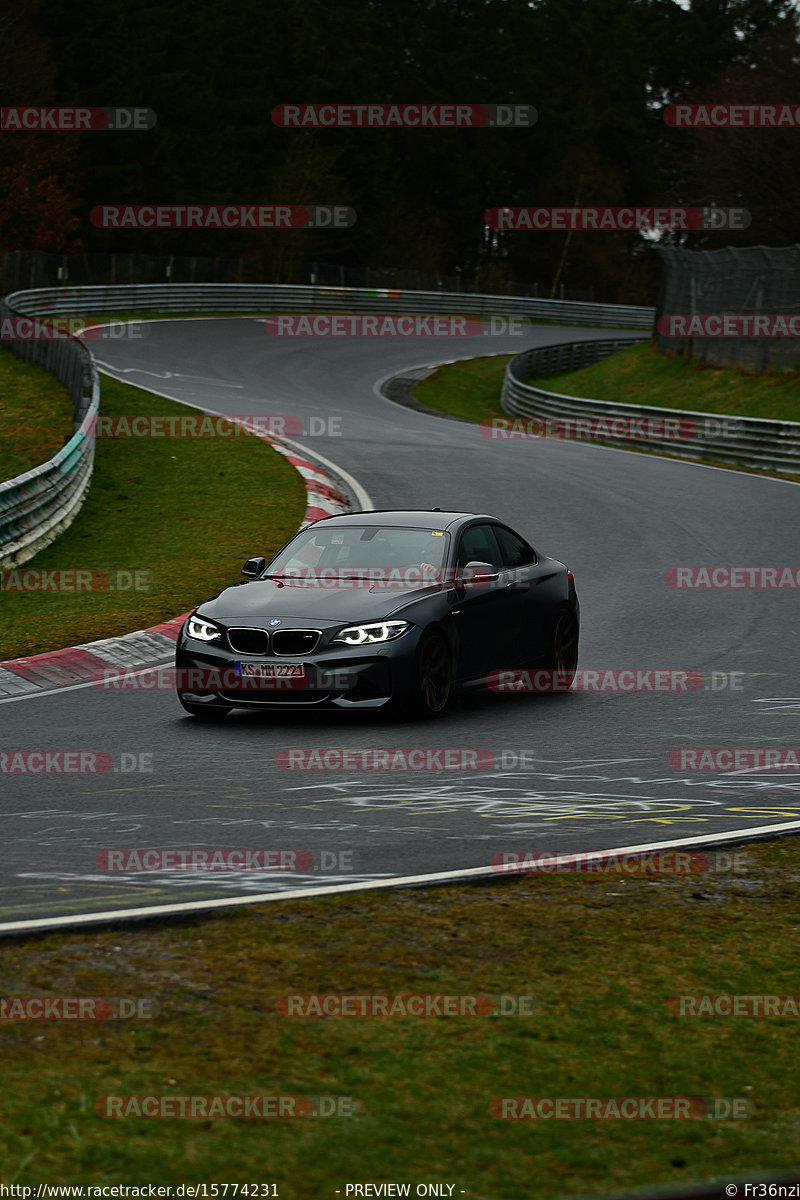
[580,772]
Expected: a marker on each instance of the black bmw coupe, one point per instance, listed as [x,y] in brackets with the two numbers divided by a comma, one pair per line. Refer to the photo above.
[381,610]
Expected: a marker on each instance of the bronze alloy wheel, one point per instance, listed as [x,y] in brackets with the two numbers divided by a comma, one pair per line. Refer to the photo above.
[434,676]
[565,650]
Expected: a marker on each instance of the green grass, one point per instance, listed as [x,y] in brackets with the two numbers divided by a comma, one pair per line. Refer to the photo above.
[599,955]
[640,375]
[35,415]
[468,389]
[187,510]
[636,375]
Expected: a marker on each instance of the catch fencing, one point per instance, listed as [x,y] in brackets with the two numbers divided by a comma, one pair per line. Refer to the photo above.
[35,269]
[746,281]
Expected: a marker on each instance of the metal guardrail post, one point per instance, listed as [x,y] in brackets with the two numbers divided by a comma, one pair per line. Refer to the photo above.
[39,504]
[738,441]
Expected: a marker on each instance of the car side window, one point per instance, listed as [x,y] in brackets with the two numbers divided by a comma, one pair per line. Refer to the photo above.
[479,544]
[516,552]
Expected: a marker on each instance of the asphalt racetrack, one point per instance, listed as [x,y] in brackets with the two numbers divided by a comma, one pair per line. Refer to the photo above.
[589,770]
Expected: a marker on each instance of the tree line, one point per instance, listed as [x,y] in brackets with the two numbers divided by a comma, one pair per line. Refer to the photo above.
[599,73]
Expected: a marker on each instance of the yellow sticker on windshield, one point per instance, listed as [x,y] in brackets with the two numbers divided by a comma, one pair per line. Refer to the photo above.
[436,533]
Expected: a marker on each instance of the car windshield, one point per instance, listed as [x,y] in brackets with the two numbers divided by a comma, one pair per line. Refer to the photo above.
[378,549]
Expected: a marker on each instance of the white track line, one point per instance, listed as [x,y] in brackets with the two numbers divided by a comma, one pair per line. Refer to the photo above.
[95,683]
[464,876]
[362,498]
[687,462]
[360,492]
[473,873]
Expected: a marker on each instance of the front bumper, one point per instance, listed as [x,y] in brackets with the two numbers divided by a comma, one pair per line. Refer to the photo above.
[360,677]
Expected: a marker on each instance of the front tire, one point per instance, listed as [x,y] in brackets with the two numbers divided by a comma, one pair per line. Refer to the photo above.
[564,651]
[433,678]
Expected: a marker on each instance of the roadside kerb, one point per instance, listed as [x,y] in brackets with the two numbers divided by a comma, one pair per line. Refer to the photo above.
[145,647]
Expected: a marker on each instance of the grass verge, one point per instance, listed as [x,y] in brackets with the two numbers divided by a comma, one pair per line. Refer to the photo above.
[183,513]
[635,375]
[640,375]
[468,389]
[35,415]
[600,955]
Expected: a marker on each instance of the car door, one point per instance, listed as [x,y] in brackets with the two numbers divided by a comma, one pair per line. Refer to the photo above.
[532,583]
[483,617]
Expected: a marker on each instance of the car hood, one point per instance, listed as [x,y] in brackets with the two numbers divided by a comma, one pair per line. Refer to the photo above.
[263,599]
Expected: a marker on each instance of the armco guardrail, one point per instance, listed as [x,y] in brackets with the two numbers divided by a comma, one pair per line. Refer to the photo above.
[238,297]
[36,506]
[740,441]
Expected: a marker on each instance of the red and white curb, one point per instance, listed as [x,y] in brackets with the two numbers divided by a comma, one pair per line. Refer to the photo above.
[323,497]
[77,664]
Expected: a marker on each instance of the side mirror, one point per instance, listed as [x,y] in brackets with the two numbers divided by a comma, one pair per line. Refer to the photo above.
[478,574]
[253,567]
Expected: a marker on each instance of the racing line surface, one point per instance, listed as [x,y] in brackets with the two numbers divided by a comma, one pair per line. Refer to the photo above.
[572,772]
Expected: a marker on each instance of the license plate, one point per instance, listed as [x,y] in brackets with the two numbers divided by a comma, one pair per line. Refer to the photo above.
[256,670]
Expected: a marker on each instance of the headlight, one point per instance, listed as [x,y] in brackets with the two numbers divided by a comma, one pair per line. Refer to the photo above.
[361,635]
[204,631]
